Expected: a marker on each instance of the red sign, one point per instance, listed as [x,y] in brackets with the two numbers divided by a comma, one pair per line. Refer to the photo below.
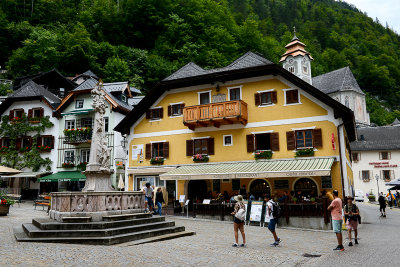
[383,164]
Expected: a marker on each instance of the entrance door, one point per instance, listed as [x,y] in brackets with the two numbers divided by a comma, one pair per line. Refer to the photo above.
[197,190]
[171,188]
[260,187]
[307,187]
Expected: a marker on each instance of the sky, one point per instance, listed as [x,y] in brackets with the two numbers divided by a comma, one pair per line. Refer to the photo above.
[385,10]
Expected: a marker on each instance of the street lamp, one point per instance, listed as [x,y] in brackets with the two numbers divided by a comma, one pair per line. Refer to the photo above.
[377,179]
[124,142]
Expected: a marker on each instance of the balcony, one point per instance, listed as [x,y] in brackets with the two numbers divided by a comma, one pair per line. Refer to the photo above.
[215,114]
[77,138]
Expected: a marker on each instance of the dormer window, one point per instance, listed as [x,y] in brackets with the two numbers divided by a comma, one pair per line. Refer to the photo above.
[291,69]
[123,98]
[79,103]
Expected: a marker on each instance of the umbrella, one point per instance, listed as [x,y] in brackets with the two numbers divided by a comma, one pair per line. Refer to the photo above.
[8,171]
[393,183]
[121,184]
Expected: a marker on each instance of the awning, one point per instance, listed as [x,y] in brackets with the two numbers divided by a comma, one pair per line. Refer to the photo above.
[77,112]
[26,175]
[253,169]
[64,177]
[8,171]
[393,183]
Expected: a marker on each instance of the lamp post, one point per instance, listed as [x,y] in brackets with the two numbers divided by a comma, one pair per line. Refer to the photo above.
[377,179]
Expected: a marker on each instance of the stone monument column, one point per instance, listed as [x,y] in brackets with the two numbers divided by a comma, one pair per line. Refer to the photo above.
[98,170]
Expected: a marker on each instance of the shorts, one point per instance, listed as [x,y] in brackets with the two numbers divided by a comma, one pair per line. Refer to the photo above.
[236,220]
[150,201]
[337,226]
[352,225]
[382,208]
[272,225]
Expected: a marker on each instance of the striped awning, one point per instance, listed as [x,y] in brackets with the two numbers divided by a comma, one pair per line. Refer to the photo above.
[254,169]
[64,177]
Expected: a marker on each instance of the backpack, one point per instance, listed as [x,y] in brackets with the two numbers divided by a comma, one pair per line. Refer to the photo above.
[354,209]
[276,210]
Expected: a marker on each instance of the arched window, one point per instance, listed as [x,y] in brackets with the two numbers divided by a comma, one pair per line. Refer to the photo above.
[291,69]
[346,101]
[306,187]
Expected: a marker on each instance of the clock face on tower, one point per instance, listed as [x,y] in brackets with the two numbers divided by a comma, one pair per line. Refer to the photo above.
[291,61]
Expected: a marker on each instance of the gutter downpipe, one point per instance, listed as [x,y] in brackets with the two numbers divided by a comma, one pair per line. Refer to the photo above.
[342,154]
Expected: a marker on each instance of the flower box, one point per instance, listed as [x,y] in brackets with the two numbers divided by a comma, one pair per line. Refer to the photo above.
[34,120]
[68,165]
[200,158]
[263,155]
[82,166]
[4,209]
[157,161]
[44,148]
[24,149]
[306,152]
[3,149]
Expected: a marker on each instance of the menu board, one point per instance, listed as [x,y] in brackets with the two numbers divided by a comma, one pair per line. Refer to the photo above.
[256,211]
[217,185]
[326,182]
[235,184]
[281,184]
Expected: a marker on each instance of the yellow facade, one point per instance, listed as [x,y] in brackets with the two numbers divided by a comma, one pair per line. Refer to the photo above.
[278,118]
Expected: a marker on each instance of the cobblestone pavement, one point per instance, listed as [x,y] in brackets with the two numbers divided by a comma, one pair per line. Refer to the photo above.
[211,246]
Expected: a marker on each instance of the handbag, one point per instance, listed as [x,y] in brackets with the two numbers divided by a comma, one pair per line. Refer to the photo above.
[241,214]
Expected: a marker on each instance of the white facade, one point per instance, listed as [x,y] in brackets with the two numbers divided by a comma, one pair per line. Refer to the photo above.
[354,101]
[372,162]
[299,66]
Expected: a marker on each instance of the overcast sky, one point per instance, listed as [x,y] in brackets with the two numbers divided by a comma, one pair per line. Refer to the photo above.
[385,10]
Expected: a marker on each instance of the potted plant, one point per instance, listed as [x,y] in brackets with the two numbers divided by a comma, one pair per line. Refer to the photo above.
[24,149]
[3,149]
[5,203]
[200,158]
[263,155]
[305,152]
[34,120]
[157,161]
[371,197]
[44,148]
[68,165]
[82,166]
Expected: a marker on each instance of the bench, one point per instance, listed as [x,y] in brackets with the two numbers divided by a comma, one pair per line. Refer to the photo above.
[43,201]
[17,198]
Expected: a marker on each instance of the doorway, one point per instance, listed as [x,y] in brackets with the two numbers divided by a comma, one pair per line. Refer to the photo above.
[197,191]
[260,187]
[307,187]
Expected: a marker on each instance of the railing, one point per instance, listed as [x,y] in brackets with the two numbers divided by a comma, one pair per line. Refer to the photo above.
[224,112]
[79,138]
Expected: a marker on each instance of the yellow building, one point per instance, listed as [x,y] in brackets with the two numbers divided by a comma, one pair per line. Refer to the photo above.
[200,131]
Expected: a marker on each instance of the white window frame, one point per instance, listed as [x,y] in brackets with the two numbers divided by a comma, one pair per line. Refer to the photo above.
[73,157]
[176,116]
[203,92]
[291,89]
[266,91]
[78,101]
[81,154]
[65,124]
[235,87]
[223,140]
[388,154]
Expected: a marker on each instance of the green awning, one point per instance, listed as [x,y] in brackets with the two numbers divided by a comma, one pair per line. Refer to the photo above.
[252,169]
[77,112]
[64,177]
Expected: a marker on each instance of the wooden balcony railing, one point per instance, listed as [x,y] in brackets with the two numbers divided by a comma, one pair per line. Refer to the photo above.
[215,114]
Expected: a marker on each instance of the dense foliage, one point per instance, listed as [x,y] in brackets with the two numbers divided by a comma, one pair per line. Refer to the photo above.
[144,41]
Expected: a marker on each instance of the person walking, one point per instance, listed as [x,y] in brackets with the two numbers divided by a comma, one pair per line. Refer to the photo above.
[271,219]
[398,198]
[239,213]
[382,204]
[148,195]
[159,200]
[337,220]
[351,213]
[390,199]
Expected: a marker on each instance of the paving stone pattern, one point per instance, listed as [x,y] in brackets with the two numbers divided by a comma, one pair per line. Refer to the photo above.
[211,246]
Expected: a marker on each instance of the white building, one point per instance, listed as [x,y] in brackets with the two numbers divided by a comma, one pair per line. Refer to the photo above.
[376,157]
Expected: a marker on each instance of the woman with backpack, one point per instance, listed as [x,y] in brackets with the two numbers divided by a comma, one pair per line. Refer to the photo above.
[351,214]
[239,214]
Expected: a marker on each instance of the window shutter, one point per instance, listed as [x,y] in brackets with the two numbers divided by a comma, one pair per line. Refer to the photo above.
[250,143]
[30,141]
[52,142]
[210,146]
[389,155]
[18,143]
[274,137]
[392,176]
[360,175]
[317,138]
[148,114]
[11,116]
[39,141]
[182,106]
[41,112]
[380,155]
[166,149]
[169,111]
[257,99]
[30,112]
[161,113]
[189,148]
[291,142]
[274,97]
[148,151]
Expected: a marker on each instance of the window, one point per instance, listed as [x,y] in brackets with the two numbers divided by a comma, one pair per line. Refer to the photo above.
[106,124]
[356,157]
[69,124]
[387,175]
[204,98]
[26,142]
[265,98]
[37,112]
[85,154]
[305,69]
[175,110]
[365,176]
[62,92]
[157,150]
[291,69]
[154,114]
[69,156]
[304,139]
[79,104]
[346,101]
[228,140]
[123,98]
[47,141]
[384,155]
[87,122]
[292,96]
[6,142]
[200,146]
[234,93]
[263,142]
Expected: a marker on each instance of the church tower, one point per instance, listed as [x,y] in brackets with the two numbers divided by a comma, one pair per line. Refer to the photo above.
[297,60]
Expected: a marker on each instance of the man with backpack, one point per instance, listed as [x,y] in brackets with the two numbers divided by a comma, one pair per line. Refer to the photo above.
[272,215]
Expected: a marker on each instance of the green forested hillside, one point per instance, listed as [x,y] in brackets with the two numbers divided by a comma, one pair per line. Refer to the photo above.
[145,40]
